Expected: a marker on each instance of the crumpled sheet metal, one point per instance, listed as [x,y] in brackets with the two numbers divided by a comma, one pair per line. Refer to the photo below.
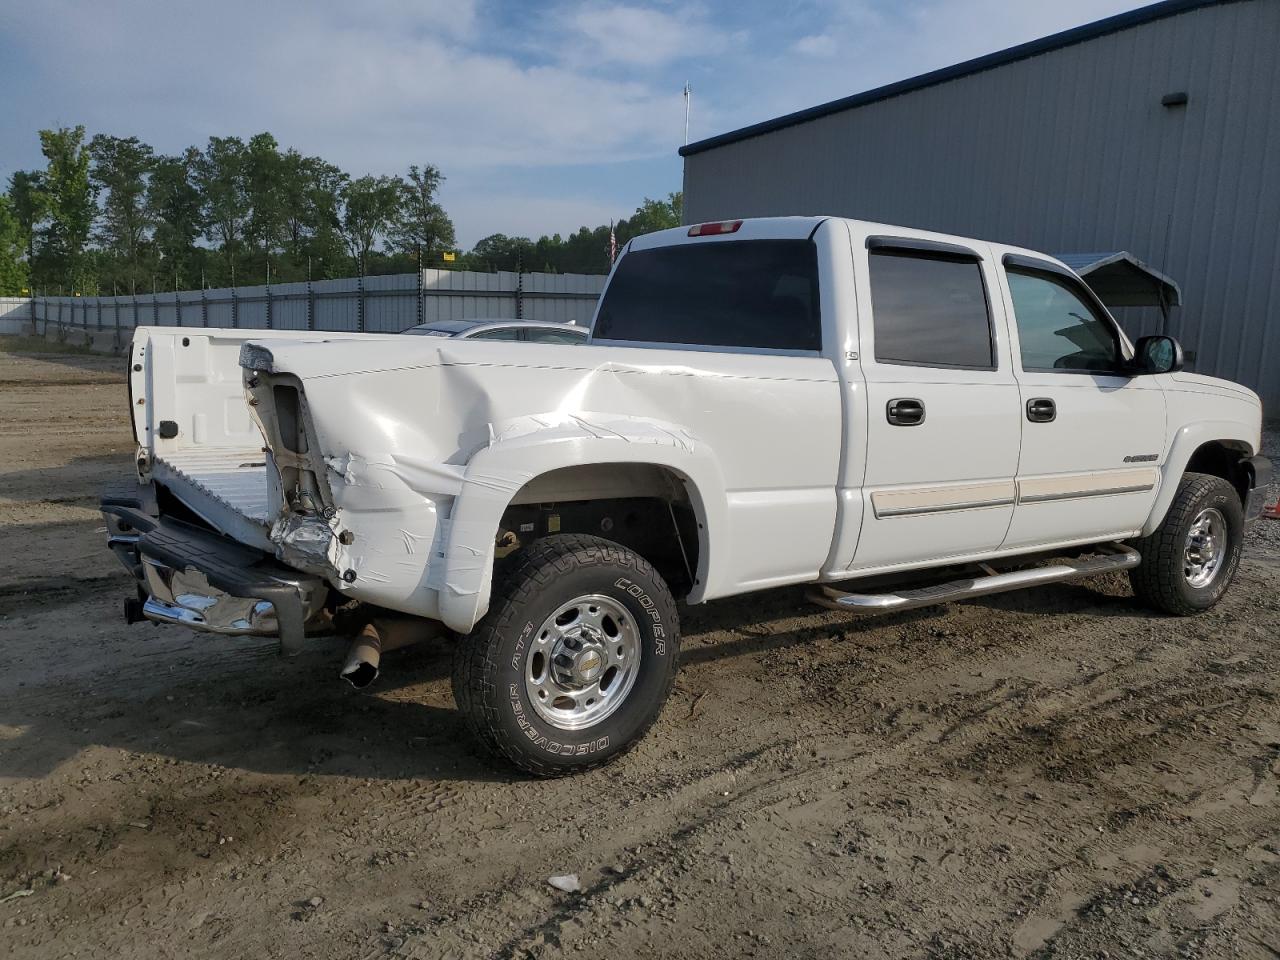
[304,542]
[425,456]
[553,428]
[400,508]
[521,449]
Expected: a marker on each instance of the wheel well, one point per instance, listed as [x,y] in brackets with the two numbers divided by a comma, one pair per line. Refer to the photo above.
[1221,458]
[645,508]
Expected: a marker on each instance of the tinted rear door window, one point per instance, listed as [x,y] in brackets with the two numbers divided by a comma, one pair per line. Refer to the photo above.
[930,310]
[740,293]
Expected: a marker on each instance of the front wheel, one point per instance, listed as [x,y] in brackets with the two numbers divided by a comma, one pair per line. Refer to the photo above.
[575,658]
[1191,558]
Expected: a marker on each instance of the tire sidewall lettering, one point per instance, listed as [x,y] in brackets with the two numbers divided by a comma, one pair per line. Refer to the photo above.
[544,742]
[650,612]
[650,609]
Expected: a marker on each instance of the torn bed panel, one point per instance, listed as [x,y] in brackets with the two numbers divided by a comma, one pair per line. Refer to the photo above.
[418,449]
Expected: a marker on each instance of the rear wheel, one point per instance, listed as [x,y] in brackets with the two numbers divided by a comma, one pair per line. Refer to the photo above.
[575,658]
[1191,558]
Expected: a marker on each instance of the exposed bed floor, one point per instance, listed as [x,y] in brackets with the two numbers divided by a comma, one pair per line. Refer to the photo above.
[235,478]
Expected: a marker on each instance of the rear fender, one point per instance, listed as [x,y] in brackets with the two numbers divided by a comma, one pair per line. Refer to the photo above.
[527,447]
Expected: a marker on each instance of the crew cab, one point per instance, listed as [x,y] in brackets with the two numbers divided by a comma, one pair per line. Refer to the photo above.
[891,416]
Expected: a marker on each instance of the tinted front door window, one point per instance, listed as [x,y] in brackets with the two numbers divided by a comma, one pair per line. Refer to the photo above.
[1057,329]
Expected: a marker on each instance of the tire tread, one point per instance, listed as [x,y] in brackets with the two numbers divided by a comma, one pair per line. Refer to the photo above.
[1154,579]
[475,659]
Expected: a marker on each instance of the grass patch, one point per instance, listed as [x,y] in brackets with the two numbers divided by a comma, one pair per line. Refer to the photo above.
[20,344]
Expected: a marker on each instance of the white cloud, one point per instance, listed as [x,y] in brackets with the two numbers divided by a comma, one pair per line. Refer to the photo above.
[371,88]
[493,94]
[815,45]
[639,36]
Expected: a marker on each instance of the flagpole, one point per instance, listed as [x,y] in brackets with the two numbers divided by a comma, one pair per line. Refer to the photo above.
[688,95]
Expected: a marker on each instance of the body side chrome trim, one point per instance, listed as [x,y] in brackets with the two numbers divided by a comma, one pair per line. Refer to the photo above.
[1101,483]
[882,512]
[920,500]
[1082,494]
[925,500]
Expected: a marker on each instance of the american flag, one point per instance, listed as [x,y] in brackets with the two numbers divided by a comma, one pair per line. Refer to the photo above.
[613,244]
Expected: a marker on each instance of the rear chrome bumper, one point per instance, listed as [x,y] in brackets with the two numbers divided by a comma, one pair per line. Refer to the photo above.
[190,576]
[185,597]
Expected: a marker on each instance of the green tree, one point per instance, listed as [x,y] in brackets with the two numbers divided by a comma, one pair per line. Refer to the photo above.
[421,223]
[70,208]
[369,208]
[311,196]
[14,277]
[173,204]
[119,171]
[220,174]
[326,250]
[263,175]
[500,252]
[654,215]
[30,204]
[586,250]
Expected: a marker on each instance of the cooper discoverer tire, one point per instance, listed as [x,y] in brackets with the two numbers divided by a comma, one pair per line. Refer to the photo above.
[575,658]
[1191,558]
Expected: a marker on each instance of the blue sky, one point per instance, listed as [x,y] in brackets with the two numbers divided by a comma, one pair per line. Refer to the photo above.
[543,116]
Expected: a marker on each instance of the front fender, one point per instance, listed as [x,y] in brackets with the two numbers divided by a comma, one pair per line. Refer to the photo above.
[1186,441]
[527,447]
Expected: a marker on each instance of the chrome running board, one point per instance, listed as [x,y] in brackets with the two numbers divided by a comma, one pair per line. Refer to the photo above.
[1114,558]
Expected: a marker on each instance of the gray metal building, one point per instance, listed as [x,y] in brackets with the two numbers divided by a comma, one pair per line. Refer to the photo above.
[1156,131]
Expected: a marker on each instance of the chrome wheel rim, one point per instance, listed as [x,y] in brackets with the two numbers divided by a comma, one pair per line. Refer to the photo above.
[583,662]
[1206,547]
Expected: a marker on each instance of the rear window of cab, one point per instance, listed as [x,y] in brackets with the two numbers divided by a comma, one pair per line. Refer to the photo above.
[760,294]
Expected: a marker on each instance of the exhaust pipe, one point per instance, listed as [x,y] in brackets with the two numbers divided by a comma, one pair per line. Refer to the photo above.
[364,656]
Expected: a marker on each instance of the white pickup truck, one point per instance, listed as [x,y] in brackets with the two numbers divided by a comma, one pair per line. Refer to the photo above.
[896,417]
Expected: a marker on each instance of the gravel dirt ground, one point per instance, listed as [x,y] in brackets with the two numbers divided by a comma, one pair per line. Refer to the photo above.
[1054,773]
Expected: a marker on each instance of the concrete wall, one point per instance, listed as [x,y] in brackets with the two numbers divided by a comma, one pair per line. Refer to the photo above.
[15,312]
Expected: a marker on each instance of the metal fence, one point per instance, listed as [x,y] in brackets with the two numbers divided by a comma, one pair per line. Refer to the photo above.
[359,304]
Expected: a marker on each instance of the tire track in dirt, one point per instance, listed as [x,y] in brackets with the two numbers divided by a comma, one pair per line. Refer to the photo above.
[22,595]
[1073,705]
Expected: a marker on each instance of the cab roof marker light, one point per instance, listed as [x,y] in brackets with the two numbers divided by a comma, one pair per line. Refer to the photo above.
[714,229]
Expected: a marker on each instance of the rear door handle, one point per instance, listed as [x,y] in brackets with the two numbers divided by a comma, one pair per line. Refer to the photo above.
[906,412]
[1042,410]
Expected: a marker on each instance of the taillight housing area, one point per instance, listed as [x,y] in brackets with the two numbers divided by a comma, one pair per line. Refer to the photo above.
[292,432]
[279,406]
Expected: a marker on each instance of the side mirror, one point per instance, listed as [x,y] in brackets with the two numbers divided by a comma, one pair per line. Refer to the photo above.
[1158,354]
